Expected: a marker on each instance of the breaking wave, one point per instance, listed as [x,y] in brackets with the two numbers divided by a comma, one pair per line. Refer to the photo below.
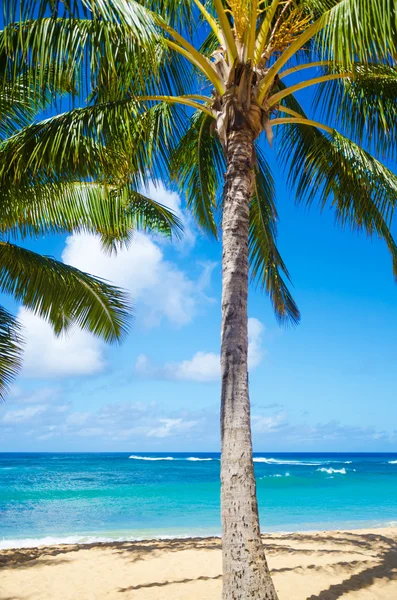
[151,457]
[277,475]
[190,458]
[276,461]
[299,463]
[330,471]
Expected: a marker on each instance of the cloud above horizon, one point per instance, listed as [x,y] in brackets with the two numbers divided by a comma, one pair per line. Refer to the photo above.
[203,366]
[47,355]
[160,289]
[149,425]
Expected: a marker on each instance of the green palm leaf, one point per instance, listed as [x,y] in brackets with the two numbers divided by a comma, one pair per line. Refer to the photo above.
[197,164]
[10,350]
[125,132]
[358,30]
[364,106]
[361,190]
[62,294]
[93,142]
[14,113]
[267,266]
[113,213]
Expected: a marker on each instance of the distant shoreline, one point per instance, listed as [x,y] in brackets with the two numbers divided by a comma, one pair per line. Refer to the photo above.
[100,539]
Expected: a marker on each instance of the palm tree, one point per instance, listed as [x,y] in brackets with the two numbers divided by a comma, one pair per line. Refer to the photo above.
[36,203]
[192,90]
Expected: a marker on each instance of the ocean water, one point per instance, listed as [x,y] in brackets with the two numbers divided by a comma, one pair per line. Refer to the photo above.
[50,498]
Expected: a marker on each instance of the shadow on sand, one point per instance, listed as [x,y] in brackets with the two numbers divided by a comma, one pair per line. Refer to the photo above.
[385,569]
[379,558]
[30,557]
[164,583]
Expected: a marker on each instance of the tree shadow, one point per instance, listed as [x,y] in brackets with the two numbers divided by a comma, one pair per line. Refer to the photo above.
[27,562]
[340,565]
[354,538]
[274,548]
[31,557]
[386,568]
[379,557]
[165,583]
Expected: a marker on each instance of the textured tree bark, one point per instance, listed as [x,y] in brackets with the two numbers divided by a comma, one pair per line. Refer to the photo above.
[245,571]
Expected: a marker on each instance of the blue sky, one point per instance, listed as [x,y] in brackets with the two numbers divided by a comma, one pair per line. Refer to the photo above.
[327,385]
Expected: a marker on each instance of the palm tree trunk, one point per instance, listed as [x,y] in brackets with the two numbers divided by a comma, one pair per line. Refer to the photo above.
[245,571]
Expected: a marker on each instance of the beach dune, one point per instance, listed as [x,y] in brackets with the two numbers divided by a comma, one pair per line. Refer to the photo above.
[353,565]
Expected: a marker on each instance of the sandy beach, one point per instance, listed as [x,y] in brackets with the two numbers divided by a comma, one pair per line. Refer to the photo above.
[353,565]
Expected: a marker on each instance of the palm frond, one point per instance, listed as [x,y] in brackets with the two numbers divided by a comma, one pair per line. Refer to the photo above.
[209,44]
[139,213]
[360,189]
[113,213]
[358,31]
[70,143]
[114,141]
[197,165]
[14,112]
[62,294]
[178,13]
[364,106]
[83,45]
[11,350]
[267,266]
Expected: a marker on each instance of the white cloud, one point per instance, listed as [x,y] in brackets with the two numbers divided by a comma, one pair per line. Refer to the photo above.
[203,366]
[255,334]
[143,365]
[170,427]
[113,422]
[145,425]
[39,396]
[47,355]
[172,200]
[23,414]
[78,418]
[269,424]
[161,288]
[91,432]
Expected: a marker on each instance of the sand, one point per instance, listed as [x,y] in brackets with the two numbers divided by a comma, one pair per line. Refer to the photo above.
[353,565]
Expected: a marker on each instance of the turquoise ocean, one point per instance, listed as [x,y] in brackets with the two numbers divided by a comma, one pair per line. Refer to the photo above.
[53,498]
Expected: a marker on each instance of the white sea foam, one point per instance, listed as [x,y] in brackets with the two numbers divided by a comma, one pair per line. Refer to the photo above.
[51,541]
[276,461]
[330,471]
[6,544]
[191,458]
[151,457]
[276,475]
[392,462]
